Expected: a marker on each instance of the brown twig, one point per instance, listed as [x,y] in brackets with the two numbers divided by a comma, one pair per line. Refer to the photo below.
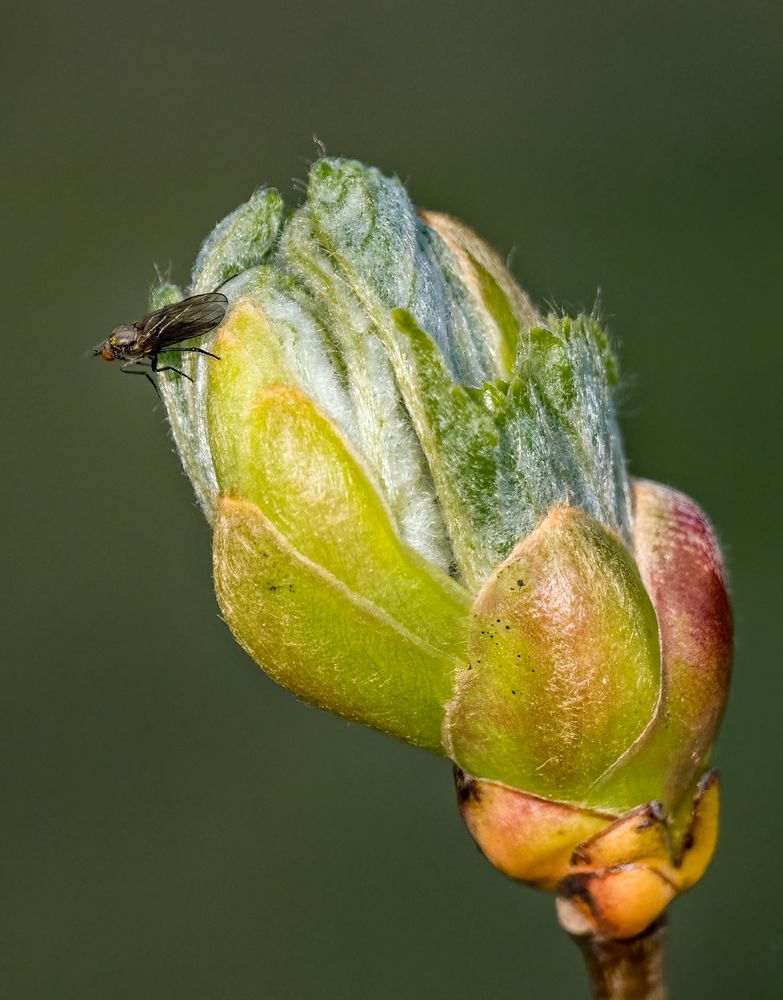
[630,969]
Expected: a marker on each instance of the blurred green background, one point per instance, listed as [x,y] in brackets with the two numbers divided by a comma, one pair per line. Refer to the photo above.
[173,825]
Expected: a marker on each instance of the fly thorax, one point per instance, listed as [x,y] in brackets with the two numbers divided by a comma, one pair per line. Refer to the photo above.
[124,338]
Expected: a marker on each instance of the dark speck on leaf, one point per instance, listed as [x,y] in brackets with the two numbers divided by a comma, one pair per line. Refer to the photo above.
[520,583]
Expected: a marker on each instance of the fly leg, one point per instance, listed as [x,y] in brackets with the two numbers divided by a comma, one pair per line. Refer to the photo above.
[133,368]
[166,368]
[192,350]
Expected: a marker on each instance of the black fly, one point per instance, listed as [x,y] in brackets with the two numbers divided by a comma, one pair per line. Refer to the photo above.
[157,333]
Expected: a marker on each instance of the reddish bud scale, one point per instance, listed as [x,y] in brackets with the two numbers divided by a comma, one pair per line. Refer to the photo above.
[613,877]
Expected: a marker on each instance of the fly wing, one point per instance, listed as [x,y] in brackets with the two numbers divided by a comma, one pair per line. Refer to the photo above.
[192,317]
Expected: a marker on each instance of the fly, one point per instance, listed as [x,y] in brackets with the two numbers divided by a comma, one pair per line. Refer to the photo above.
[134,344]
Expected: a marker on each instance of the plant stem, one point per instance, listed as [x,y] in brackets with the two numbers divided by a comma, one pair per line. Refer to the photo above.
[630,969]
